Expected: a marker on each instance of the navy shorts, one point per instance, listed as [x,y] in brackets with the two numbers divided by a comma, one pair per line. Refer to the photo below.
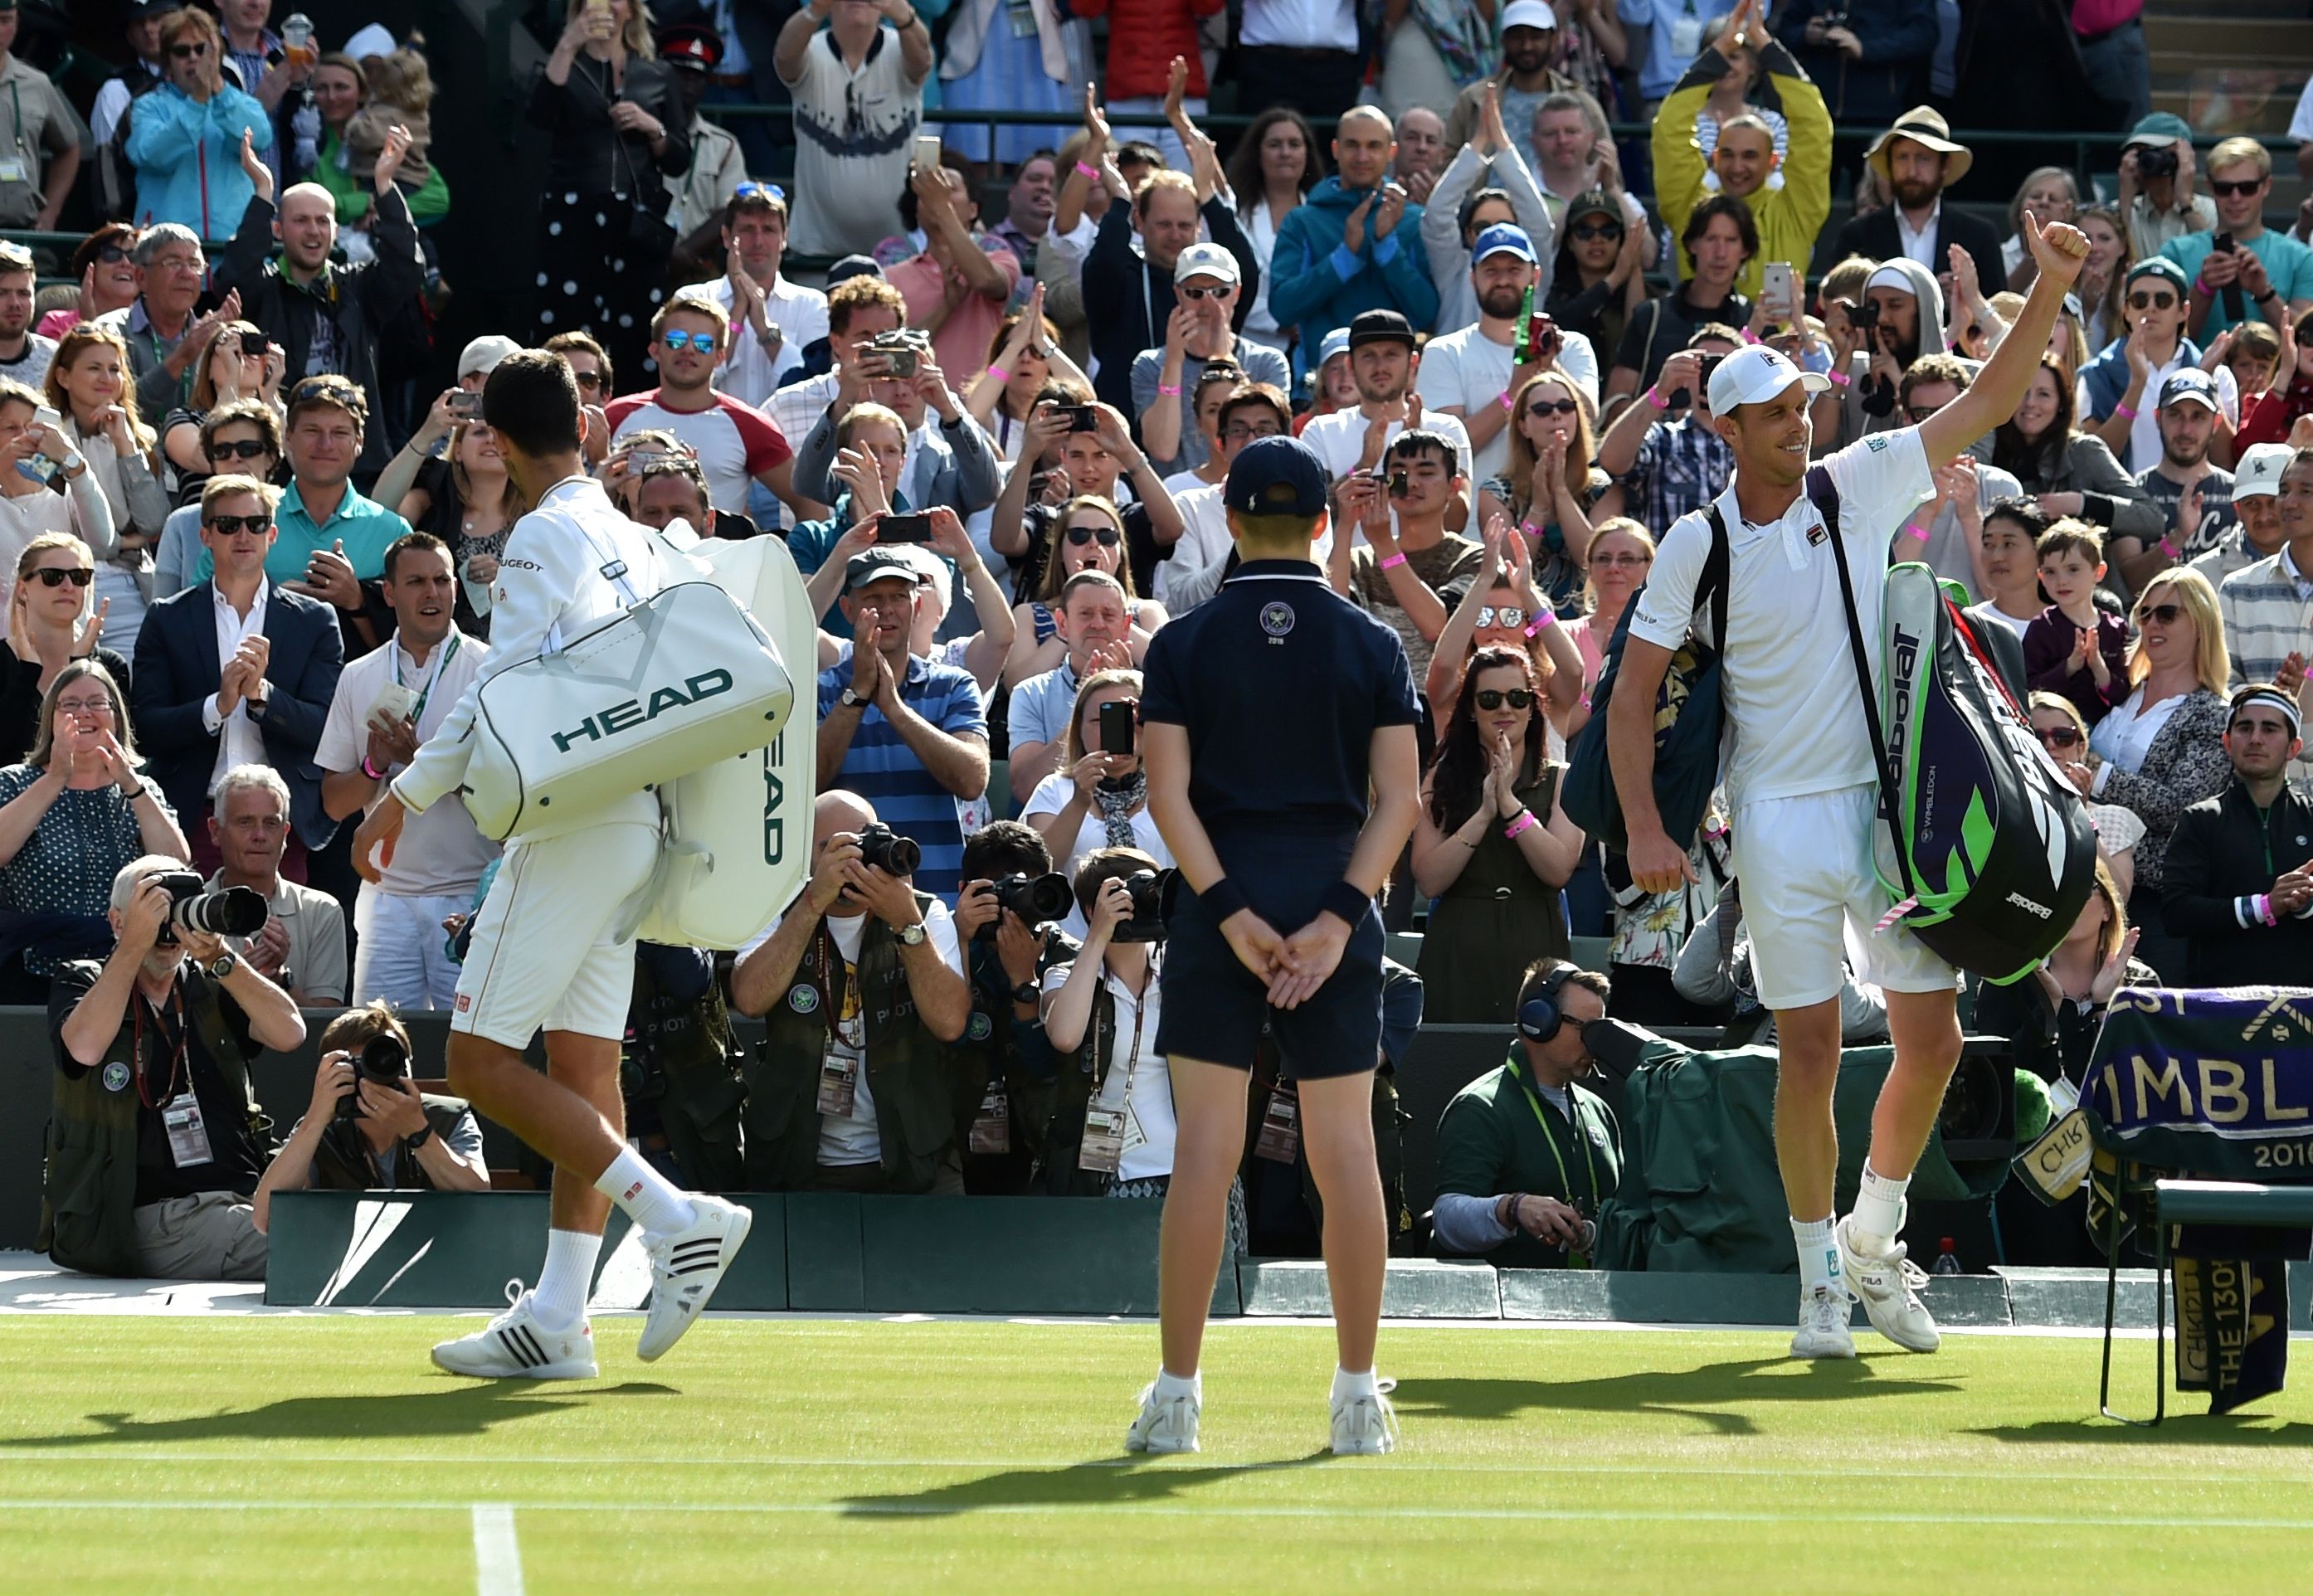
[1214,1008]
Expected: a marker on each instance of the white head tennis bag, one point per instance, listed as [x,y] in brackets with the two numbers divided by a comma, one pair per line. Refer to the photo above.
[738,832]
[682,680]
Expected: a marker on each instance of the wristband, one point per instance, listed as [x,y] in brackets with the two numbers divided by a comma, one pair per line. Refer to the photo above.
[1524,822]
[2200,287]
[2264,909]
[1393,561]
[1510,402]
[1343,898]
[2168,547]
[1839,377]
[1542,618]
[1223,898]
[370,770]
[1654,398]
[1917,530]
[2124,410]
[1090,171]
[999,374]
[419,1141]
[1170,391]
[133,797]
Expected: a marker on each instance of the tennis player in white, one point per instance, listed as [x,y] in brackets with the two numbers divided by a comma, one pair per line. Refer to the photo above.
[1802,788]
[543,952]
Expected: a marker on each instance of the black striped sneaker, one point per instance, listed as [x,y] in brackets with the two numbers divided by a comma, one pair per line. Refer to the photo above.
[685,1269]
[515,1346]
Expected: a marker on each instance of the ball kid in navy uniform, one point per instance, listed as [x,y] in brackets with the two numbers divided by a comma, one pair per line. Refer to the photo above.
[1279,743]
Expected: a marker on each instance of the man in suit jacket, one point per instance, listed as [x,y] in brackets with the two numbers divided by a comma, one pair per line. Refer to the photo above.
[1917,159]
[235,671]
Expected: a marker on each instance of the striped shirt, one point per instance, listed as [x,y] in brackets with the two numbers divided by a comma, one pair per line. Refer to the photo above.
[1681,465]
[884,770]
[2268,616]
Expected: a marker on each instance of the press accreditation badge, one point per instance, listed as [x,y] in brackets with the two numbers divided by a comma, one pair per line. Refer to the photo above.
[1102,1149]
[14,169]
[838,1084]
[1279,1141]
[992,1128]
[188,1138]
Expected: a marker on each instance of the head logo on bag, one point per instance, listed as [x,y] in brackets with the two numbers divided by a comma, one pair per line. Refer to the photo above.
[633,711]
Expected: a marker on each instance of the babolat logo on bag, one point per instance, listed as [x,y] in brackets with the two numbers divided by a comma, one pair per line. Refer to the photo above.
[633,711]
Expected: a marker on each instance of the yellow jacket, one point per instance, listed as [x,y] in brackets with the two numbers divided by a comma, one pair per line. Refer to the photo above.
[1789,217]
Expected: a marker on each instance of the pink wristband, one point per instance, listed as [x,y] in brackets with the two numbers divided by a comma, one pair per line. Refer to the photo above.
[1524,822]
[1509,401]
[2168,547]
[371,771]
[2264,909]
[1392,562]
[2124,411]
[1169,391]
[999,374]
[1091,172]
[1542,618]
[1654,398]
[1921,532]
[1841,378]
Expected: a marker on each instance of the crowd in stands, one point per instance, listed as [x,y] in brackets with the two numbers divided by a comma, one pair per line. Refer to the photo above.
[247,562]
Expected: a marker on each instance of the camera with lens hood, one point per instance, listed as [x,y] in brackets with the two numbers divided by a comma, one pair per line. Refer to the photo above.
[235,911]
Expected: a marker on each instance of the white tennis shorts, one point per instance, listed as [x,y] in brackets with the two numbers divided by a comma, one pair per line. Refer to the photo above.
[1810,895]
[542,954]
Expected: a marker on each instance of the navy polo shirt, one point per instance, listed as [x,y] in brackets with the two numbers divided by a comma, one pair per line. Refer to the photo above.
[1281,683]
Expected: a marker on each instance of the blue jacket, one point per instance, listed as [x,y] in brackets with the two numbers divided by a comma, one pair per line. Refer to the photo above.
[1316,283]
[188,157]
[176,673]
[2105,379]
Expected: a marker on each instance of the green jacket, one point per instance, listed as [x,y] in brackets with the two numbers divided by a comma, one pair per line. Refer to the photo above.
[909,1072]
[1499,1135]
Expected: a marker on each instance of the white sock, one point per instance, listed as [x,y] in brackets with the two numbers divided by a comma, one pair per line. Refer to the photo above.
[645,1196]
[1348,1386]
[559,1297]
[1170,1385]
[1879,1217]
[1818,1253]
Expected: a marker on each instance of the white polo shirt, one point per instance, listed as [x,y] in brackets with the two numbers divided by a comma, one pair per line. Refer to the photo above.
[1338,443]
[440,852]
[749,374]
[1794,711]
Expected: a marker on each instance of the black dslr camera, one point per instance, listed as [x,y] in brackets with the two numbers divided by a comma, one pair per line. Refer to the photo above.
[384,1059]
[1152,893]
[236,911]
[1037,899]
[2156,161]
[884,849]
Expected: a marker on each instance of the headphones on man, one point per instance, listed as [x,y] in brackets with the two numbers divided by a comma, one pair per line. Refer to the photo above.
[1539,1016]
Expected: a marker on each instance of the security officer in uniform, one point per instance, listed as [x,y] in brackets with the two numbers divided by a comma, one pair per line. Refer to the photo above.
[1279,735]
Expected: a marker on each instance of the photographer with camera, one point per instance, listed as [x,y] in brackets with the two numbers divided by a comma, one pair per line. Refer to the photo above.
[862,994]
[156,1141]
[1526,1155]
[2156,200]
[368,1128]
[1665,465]
[1004,1063]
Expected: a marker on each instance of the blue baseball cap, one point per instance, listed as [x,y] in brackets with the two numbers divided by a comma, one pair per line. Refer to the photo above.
[1336,342]
[1275,475]
[1503,238]
[2190,383]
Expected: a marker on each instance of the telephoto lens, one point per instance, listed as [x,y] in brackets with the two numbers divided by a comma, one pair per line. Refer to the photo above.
[237,911]
[886,850]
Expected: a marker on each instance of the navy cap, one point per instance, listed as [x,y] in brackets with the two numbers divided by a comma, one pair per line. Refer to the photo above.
[1503,238]
[853,266]
[2190,383]
[1380,326]
[1274,476]
[875,564]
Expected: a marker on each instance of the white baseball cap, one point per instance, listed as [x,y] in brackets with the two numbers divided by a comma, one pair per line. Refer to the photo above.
[1754,375]
[481,356]
[2260,470]
[1206,260]
[1529,14]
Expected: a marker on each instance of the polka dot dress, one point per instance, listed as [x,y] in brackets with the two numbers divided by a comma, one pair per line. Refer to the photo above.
[594,273]
[67,864]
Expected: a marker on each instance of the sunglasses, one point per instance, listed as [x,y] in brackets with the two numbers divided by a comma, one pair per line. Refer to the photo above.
[1494,699]
[1082,535]
[2061,736]
[188,52]
[57,575]
[1539,407]
[1196,293]
[588,378]
[246,449]
[755,191]
[1508,615]
[319,387]
[228,526]
[111,254]
[2235,190]
[1619,559]
[703,342]
[1590,234]
[1918,413]
[2151,301]
[2165,614]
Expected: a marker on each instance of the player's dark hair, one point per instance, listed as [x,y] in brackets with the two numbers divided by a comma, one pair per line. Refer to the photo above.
[532,401]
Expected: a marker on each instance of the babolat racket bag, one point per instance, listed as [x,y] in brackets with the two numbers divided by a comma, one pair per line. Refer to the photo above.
[1982,839]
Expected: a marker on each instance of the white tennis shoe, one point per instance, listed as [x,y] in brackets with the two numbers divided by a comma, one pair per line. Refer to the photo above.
[1890,1284]
[1365,1425]
[685,1269]
[1165,1423]
[1824,1331]
[515,1346]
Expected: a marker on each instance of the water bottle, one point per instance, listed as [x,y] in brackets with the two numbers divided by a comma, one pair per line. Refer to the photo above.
[1947,1258]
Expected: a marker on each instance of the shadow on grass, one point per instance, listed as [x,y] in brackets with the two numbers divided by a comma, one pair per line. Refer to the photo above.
[2182,1429]
[462,1410]
[1706,1395]
[1098,1482]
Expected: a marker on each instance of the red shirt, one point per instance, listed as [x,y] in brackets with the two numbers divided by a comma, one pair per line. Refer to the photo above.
[734,441]
[1143,37]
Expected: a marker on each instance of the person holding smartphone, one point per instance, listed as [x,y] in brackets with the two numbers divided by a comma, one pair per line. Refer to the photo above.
[1098,795]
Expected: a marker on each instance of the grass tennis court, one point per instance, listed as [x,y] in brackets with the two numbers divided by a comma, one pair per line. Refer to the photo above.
[277,1453]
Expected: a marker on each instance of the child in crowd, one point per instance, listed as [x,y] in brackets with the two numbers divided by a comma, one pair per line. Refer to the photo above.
[2075,648]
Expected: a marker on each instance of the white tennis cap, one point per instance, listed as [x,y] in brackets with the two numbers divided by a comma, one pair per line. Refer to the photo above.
[2259,469]
[1757,374]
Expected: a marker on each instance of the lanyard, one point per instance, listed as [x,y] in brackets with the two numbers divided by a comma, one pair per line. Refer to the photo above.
[1132,1059]
[176,1061]
[441,664]
[1551,1136]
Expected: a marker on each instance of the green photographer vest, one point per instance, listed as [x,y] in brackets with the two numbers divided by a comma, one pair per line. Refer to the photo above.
[88,1189]
[909,1070]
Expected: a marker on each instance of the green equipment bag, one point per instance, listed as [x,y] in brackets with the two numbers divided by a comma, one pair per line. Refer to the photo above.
[1984,846]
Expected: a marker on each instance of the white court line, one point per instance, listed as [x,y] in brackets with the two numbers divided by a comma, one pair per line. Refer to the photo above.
[1399,1464]
[498,1555]
[900,1507]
